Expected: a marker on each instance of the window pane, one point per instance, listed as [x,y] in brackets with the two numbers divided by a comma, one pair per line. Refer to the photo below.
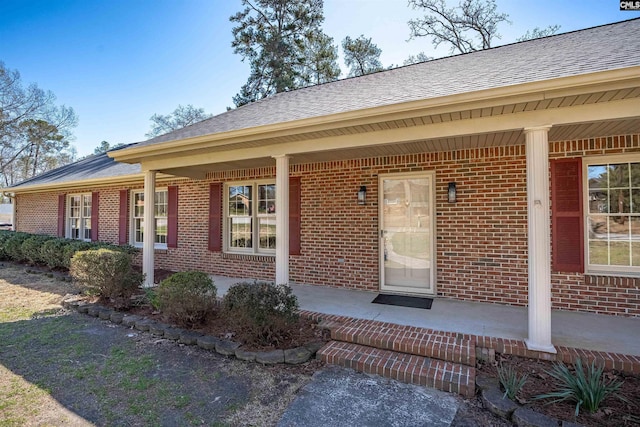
[635,254]
[138,205]
[74,207]
[619,227]
[161,230]
[598,227]
[635,175]
[598,252]
[267,199]
[619,176]
[161,204]
[75,228]
[86,206]
[139,229]
[267,226]
[87,228]
[619,201]
[240,200]
[598,201]
[240,232]
[619,253]
[597,176]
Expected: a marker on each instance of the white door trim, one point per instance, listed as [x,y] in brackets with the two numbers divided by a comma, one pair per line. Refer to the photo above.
[431,290]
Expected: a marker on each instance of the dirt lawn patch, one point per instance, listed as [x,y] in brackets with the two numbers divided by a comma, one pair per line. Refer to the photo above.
[59,367]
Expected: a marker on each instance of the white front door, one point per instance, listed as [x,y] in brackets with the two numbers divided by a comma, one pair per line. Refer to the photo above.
[407,230]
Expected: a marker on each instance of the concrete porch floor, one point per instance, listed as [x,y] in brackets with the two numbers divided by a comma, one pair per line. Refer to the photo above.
[612,334]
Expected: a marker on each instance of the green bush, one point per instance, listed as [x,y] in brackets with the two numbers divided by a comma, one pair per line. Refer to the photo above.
[5,235]
[262,313]
[186,297]
[32,248]
[13,246]
[588,389]
[72,248]
[106,273]
[53,253]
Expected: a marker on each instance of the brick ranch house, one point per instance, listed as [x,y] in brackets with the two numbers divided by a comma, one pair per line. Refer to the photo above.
[510,176]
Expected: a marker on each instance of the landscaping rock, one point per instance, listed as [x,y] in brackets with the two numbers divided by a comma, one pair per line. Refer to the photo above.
[172,333]
[116,317]
[313,347]
[570,424]
[493,401]
[189,338]
[484,382]
[296,356]
[207,342]
[94,310]
[524,417]
[130,320]
[248,356]
[270,357]
[227,348]
[84,308]
[105,314]
[158,329]
[142,324]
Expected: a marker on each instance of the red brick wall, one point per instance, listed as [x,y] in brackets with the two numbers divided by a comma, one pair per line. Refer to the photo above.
[37,213]
[481,245]
[596,293]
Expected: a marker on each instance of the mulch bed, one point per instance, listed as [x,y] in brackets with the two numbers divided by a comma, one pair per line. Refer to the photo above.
[613,411]
[305,331]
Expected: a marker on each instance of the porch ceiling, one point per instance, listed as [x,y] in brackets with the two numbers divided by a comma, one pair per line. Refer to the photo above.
[585,110]
[484,140]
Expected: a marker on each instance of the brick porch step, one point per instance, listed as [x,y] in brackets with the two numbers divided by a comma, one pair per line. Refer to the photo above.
[407,368]
[407,339]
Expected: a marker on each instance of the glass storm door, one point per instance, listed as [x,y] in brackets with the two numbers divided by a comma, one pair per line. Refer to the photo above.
[407,220]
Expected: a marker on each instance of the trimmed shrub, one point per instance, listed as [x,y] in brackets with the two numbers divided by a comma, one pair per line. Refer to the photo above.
[5,235]
[186,297]
[32,248]
[53,253]
[263,314]
[13,246]
[106,273]
[73,247]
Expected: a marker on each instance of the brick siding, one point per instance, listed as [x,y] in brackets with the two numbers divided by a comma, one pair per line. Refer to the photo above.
[481,241]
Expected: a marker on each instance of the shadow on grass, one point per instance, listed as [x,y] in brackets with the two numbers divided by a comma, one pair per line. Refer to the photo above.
[113,376]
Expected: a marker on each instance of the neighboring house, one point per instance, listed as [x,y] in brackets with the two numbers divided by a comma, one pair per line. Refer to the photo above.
[509,175]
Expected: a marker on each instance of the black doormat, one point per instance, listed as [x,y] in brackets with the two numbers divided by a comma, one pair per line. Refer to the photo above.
[403,301]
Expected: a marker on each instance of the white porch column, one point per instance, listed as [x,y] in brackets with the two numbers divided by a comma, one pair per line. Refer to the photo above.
[149,227]
[282,219]
[537,150]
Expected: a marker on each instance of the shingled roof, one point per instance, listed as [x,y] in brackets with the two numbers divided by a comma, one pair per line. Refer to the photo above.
[97,166]
[585,51]
[591,50]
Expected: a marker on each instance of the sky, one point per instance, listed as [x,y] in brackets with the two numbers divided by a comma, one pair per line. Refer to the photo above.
[118,62]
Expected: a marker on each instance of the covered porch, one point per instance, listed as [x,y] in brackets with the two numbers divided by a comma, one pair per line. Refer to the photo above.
[529,117]
[585,331]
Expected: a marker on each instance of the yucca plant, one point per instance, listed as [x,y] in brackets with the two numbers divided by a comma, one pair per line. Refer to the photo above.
[587,387]
[511,381]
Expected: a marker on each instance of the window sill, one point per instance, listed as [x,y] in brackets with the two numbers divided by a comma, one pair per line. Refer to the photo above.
[156,248]
[627,274]
[249,257]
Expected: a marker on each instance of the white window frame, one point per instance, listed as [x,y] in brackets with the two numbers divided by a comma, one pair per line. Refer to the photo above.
[133,217]
[255,218]
[599,160]
[82,218]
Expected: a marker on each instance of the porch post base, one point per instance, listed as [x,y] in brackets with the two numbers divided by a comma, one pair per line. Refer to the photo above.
[548,348]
